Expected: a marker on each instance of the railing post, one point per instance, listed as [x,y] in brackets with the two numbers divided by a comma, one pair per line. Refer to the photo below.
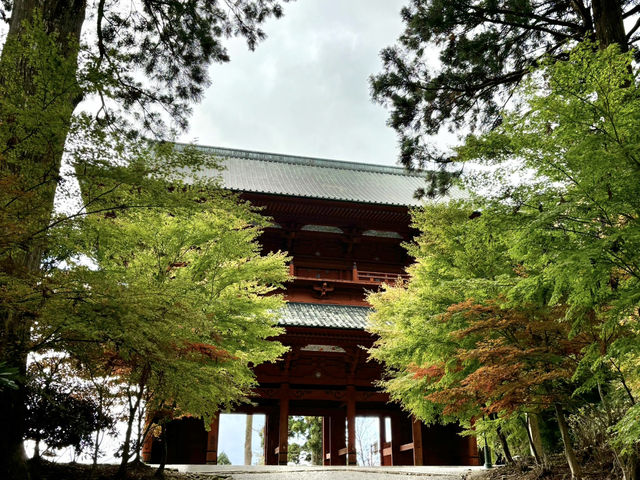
[354,272]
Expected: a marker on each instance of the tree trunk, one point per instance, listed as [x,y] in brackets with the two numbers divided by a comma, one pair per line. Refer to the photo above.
[504,445]
[533,428]
[574,466]
[628,465]
[247,439]
[163,461]
[532,445]
[608,23]
[96,448]
[36,450]
[126,446]
[62,18]
[139,438]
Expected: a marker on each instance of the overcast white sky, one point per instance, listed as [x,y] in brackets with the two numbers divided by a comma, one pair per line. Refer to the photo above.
[305,90]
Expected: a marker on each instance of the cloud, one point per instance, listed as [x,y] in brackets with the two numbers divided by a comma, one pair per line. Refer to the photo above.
[305,89]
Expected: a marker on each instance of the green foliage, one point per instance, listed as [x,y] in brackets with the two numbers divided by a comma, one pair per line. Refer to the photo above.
[310,429]
[144,65]
[535,300]
[156,278]
[408,318]
[223,459]
[172,299]
[61,411]
[457,64]
[7,375]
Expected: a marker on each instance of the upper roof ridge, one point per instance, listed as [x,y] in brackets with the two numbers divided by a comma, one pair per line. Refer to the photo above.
[300,160]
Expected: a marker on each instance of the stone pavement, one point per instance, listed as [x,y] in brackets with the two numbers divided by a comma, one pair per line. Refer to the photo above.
[266,472]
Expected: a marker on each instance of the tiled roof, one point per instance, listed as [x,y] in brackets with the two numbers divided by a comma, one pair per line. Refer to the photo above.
[259,172]
[325,316]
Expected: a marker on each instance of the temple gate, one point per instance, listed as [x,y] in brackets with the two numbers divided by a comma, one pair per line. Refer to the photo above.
[343,224]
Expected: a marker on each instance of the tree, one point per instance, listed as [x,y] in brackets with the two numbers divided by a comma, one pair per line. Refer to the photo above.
[579,211]
[248,433]
[177,293]
[47,67]
[61,411]
[450,360]
[547,316]
[310,429]
[223,459]
[484,49]
[524,357]
[414,344]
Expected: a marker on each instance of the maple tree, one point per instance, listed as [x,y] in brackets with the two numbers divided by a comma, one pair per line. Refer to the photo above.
[152,276]
[175,293]
[532,300]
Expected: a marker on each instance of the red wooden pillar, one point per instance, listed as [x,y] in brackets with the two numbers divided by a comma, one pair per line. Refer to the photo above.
[212,441]
[416,430]
[351,426]
[395,440]
[271,437]
[337,439]
[383,437]
[326,441]
[283,436]
[472,456]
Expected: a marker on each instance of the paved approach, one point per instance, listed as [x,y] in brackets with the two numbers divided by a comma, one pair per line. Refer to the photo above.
[266,472]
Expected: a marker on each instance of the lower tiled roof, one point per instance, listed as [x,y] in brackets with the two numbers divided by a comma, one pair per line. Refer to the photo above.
[324,316]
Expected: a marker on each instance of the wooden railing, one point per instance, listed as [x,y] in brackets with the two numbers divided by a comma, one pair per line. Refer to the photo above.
[379,277]
[337,275]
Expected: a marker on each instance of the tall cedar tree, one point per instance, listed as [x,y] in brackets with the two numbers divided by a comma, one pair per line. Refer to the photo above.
[139,59]
[485,48]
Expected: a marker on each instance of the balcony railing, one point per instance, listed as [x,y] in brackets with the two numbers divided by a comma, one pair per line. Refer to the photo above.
[336,275]
[379,277]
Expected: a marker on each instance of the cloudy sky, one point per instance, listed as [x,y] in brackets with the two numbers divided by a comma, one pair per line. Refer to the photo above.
[305,90]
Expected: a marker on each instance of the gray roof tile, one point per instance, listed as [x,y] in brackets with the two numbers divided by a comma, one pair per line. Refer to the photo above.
[259,172]
[324,316]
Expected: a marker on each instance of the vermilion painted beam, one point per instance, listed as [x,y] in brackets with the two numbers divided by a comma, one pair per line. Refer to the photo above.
[325,394]
[271,440]
[395,440]
[326,441]
[337,439]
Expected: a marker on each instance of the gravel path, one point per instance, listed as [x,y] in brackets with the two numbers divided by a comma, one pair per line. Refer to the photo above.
[329,473]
